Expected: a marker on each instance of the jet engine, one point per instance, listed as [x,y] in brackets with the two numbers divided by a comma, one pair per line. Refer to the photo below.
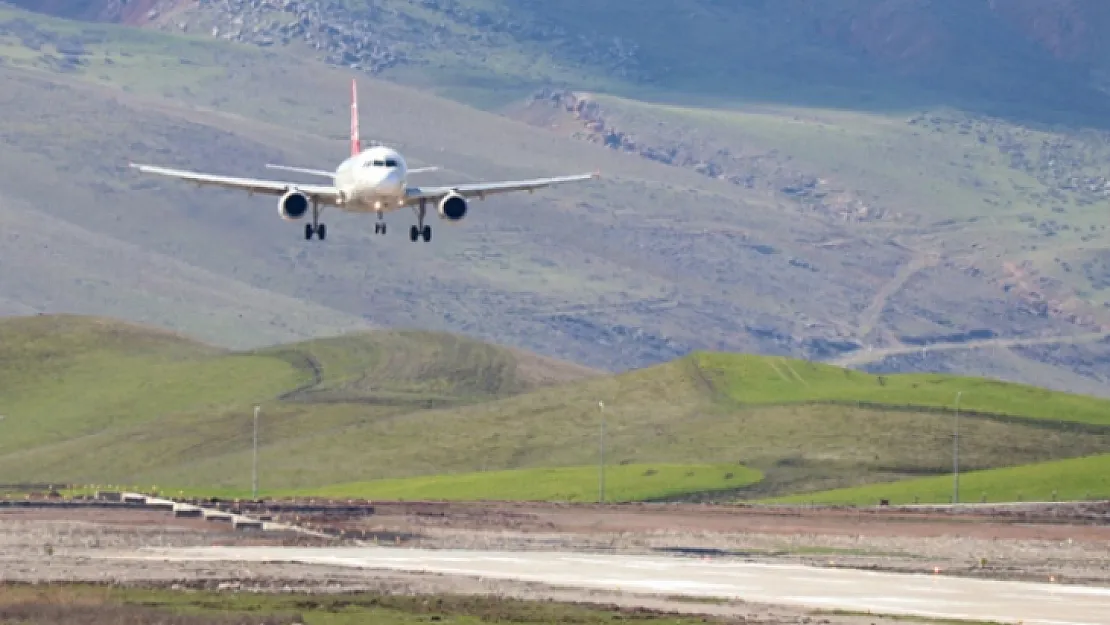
[452,207]
[293,205]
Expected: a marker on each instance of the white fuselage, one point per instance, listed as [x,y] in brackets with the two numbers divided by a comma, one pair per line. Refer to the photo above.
[372,181]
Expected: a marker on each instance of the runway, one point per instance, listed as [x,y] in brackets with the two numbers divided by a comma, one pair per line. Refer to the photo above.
[935,596]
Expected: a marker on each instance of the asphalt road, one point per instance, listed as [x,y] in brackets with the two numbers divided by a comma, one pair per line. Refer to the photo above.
[934,596]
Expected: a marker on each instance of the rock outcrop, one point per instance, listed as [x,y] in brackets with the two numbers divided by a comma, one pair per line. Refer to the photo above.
[766,171]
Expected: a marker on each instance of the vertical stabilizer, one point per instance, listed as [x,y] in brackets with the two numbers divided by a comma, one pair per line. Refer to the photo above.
[356,144]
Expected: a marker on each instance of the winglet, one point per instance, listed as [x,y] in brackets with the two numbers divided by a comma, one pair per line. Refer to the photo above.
[356,144]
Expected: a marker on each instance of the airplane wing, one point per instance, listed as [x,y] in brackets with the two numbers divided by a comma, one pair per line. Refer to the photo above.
[325,194]
[482,189]
[331,174]
[303,170]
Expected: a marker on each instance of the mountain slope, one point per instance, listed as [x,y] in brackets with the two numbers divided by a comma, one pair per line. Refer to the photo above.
[569,275]
[1014,205]
[647,264]
[1034,59]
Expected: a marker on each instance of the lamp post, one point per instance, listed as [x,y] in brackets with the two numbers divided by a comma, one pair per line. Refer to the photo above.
[254,457]
[956,454]
[601,460]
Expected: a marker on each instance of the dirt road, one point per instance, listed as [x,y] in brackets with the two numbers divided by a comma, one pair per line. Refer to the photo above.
[1062,545]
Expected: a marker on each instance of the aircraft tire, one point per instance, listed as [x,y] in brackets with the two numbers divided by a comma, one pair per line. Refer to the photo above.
[427,233]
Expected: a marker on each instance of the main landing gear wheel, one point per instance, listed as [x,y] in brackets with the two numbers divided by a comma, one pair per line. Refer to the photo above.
[317,228]
[420,231]
[379,228]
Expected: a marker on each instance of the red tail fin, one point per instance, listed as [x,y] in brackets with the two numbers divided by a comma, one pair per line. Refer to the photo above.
[356,144]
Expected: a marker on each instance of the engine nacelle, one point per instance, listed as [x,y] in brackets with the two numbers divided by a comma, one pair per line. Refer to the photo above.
[293,205]
[452,207]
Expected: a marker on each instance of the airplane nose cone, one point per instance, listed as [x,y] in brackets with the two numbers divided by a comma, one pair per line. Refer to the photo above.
[384,182]
[392,181]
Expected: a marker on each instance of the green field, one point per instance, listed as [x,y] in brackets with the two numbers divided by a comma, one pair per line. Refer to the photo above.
[73,604]
[1063,480]
[755,380]
[390,414]
[627,482]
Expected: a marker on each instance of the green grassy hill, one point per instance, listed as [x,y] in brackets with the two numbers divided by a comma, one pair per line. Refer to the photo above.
[1061,480]
[88,400]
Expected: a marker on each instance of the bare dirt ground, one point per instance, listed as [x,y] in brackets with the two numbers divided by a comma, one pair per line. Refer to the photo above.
[1062,544]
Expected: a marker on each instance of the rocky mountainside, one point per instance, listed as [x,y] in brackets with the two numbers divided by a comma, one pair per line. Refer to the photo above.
[813,223]
[1023,53]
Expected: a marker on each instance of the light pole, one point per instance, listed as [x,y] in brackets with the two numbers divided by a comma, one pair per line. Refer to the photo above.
[254,459]
[956,454]
[601,460]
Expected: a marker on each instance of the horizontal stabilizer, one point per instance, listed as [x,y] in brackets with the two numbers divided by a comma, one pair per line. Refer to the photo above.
[420,170]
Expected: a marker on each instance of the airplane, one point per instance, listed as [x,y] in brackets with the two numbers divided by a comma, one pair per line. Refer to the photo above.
[371,180]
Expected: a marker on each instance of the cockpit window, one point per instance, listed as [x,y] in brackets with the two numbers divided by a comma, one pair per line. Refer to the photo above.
[379,164]
[390,162]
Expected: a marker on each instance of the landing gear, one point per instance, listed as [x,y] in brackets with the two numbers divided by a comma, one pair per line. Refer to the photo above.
[379,228]
[420,230]
[317,228]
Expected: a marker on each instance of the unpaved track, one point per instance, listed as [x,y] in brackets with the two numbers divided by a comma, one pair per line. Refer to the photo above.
[1019,544]
[862,357]
[1086,521]
[74,543]
[1066,544]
